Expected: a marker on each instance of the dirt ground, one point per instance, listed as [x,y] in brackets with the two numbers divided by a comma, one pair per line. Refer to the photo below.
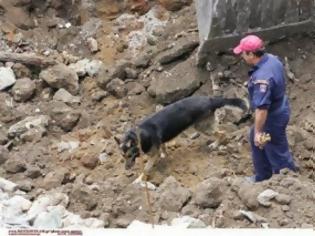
[101,187]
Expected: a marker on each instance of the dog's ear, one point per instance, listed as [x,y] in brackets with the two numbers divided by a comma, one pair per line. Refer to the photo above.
[117,140]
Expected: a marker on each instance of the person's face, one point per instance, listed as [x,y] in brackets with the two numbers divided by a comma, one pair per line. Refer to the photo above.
[249,58]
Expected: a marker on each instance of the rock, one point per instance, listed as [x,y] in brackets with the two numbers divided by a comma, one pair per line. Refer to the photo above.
[191,210]
[131,73]
[63,95]
[119,70]
[3,138]
[228,114]
[19,17]
[117,88]
[33,135]
[67,146]
[38,206]
[42,203]
[33,172]
[254,218]
[8,113]
[7,78]
[13,209]
[29,123]
[306,226]
[48,220]
[283,199]
[82,194]
[72,220]
[248,194]
[93,223]
[15,165]
[99,95]
[80,67]
[7,185]
[283,222]
[103,78]
[61,76]
[4,154]
[95,68]
[296,135]
[121,46]
[151,40]
[135,88]
[90,161]
[92,68]
[309,145]
[177,52]
[23,89]
[92,44]
[143,61]
[285,208]
[20,203]
[170,86]
[64,116]
[46,94]
[187,222]
[123,222]
[209,193]
[139,6]
[174,5]
[91,26]
[103,157]
[264,197]
[194,135]
[290,181]
[54,179]
[172,195]
[21,71]
[25,185]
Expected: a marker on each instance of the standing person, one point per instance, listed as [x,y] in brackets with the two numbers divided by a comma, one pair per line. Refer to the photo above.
[266,87]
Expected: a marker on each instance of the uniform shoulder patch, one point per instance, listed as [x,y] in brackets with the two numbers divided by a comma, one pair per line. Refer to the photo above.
[261,81]
[263,84]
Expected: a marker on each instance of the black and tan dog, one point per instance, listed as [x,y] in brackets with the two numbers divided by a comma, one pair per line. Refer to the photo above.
[153,132]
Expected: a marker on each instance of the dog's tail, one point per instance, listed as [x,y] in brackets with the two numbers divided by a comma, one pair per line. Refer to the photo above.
[237,102]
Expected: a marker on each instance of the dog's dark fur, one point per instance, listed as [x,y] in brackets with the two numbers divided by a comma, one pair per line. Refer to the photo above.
[166,124]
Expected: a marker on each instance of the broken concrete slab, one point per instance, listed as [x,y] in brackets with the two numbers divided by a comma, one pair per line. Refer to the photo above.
[168,87]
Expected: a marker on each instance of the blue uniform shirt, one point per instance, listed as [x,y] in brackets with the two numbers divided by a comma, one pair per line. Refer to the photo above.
[267,84]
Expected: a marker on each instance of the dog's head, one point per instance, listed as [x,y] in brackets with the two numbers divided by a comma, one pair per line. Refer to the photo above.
[129,148]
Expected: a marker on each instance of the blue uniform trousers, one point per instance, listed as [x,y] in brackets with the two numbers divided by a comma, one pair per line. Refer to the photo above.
[275,155]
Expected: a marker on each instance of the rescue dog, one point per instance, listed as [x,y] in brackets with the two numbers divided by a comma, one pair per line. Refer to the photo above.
[153,132]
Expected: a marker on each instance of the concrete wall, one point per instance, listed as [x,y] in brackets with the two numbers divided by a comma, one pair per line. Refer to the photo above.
[221,23]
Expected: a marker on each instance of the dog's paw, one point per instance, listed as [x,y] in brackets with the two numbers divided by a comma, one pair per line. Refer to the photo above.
[163,155]
[143,183]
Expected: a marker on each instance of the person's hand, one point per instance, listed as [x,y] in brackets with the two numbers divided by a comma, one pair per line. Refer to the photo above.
[261,139]
[257,140]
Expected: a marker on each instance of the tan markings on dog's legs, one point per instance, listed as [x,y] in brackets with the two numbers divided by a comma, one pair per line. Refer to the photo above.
[164,153]
[153,156]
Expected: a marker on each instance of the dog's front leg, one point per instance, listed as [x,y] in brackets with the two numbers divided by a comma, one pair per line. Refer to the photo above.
[144,176]
[149,165]
[164,153]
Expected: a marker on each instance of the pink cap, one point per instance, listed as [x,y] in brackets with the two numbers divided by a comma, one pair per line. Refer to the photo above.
[250,43]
